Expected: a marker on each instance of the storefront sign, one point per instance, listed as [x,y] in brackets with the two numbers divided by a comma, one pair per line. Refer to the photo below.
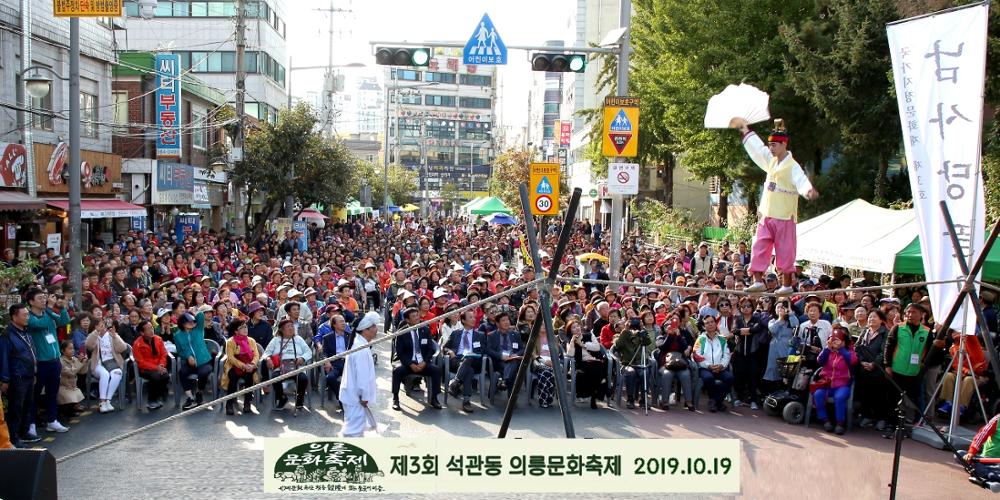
[13,165]
[201,199]
[174,184]
[137,223]
[98,171]
[87,8]
[54,241]
[168,105]
[186,225]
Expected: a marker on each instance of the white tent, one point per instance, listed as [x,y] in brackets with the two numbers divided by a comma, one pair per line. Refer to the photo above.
[857,235]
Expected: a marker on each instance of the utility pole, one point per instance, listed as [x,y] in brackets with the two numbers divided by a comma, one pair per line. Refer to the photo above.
[617,203]
[241,77]
[385,157]
[329,80]
[28,117]
[75,257]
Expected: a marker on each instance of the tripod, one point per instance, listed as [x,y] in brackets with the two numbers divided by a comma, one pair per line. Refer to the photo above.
[900,433]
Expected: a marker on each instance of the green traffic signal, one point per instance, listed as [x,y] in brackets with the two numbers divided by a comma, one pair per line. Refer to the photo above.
[402,56]
[559,63]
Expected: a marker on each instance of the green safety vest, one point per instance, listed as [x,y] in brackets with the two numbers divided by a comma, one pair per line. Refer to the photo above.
[909,344]
[991,448]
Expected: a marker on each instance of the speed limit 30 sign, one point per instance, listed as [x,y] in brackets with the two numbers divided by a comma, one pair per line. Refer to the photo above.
[543,204]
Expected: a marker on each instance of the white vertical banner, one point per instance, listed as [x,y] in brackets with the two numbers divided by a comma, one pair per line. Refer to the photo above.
[939,67]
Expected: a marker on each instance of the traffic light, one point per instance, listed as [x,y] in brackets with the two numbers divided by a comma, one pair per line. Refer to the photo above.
[402,56]
[558,63]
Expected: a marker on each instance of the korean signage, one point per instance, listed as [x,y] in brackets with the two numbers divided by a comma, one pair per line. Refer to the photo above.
[200,198]
[623,178]
[13,165]
[484,46]
[565,133]
[99,171]
[173,184]
[186,225]
[621,127]
[465,465]
[301,227]
[939,66]
[543,186]
[168,105]
[87,8]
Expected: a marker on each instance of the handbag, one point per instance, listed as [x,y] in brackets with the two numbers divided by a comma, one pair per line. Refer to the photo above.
[675,361]
[801,381]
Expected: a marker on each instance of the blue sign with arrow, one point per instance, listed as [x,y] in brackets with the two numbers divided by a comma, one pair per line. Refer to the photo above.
[485,46]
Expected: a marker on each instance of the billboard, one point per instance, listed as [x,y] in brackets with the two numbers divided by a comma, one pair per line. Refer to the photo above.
[168,105]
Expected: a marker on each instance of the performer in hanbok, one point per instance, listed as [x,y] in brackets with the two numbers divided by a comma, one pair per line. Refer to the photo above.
[357,387]
[779,203]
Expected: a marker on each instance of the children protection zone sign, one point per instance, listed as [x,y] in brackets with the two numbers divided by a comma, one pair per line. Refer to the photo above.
[465,465]
[543,184]
[621,127]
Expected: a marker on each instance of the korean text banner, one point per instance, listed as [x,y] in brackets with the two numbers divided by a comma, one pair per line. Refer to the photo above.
[939,66]
[466,465]
[174,184]
[168,105]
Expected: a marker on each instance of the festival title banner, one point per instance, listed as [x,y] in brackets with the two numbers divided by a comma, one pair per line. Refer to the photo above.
[939,66]
[465,465]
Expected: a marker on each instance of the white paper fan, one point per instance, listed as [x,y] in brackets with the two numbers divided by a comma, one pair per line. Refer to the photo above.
[737,101]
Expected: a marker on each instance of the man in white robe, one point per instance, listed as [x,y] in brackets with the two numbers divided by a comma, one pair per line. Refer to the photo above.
[357,387]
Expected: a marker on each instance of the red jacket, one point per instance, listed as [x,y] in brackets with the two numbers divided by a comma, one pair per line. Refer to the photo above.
[144,354]
[607,336]
[975,351]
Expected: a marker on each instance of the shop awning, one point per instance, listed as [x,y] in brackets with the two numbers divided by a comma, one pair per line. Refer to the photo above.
[102,209]
[16,200]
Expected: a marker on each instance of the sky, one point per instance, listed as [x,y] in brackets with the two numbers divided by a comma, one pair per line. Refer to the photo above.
[518,22]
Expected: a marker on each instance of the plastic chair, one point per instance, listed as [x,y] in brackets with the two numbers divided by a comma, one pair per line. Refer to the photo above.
[571,368]
[141,382]
[258,395]
[485,367]
[829,400]
[319,355]
[122,390]
[435,359]
[620,376]
[217,353]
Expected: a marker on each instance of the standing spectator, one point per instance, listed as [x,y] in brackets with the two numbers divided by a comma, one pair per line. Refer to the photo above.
[872,389]
[17,376]
[43,321]
[906,349]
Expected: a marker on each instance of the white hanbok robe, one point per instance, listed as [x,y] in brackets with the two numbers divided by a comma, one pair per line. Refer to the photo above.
[357,384]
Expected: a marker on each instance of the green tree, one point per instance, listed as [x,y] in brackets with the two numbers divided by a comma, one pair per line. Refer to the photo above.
[450,193]
[274,151]
[510,169]
[402,182]
[839,61]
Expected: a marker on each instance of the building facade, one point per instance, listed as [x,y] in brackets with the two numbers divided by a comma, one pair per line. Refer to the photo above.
[34,134]
[443,128]
[202,33]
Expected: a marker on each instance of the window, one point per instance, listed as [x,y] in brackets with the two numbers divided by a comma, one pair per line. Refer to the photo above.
[409,99]
[199,9]
[441,129]
[199,122]
[120,109]
[164,9]
[439,77]
[88,115]
[479,80]
[475,131]
[406,74]
[131,9]
[439,100]
[475,102]
[550,107]
[181,9]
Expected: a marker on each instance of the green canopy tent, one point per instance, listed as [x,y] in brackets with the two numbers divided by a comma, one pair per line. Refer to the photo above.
[467,208]
[909,261]
[491,205]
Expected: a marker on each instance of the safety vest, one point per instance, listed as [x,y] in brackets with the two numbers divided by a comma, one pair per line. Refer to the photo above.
[991,448]
[781,199]
[909,348]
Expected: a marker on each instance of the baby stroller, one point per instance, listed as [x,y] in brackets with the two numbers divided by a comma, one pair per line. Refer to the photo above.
[790,401]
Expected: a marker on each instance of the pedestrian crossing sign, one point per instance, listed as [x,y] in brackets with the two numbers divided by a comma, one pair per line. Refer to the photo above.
[485,45]
[543,185]
[621,127]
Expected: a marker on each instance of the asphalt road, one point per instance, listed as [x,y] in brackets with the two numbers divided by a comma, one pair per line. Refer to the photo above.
[209,455]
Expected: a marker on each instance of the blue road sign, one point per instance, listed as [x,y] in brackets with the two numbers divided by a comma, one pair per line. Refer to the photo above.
[485,45]
[621,122]
[544,186]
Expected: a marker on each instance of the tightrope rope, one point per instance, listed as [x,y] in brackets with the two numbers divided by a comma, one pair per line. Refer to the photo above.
[758,294]
[283,376]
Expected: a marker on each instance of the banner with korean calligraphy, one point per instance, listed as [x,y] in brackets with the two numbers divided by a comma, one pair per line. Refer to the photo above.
[168,105]
[939,67]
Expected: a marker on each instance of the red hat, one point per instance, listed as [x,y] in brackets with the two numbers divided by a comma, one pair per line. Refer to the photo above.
[779,134]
